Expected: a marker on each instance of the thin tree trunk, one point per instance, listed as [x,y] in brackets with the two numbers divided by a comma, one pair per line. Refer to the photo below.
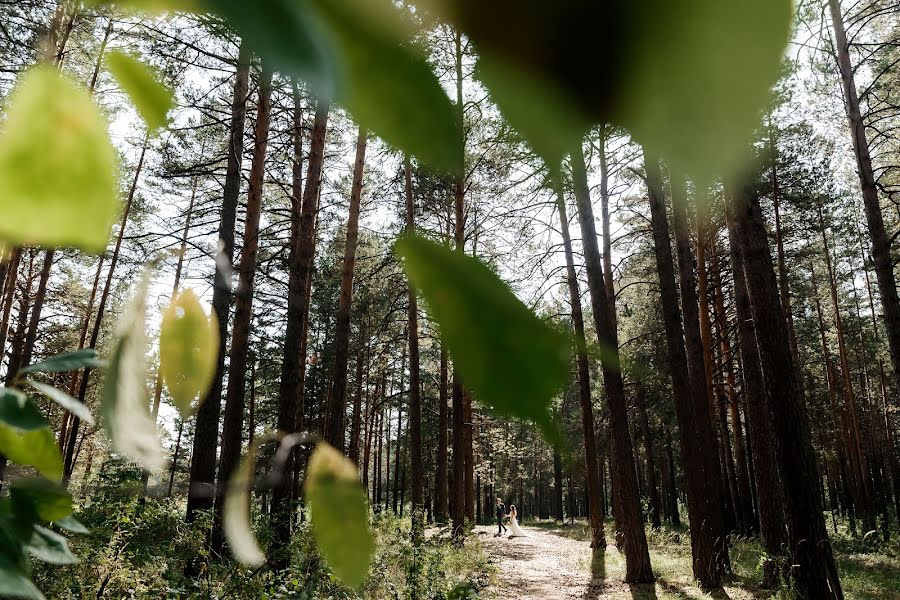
[415,382]
[233,418]
[652,487]
[206,428]
[441,509]
[336,402]
[293,366]
[72,437]
[592,480]
[637,556]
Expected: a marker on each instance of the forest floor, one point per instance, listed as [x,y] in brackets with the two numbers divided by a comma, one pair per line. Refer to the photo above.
[556,563]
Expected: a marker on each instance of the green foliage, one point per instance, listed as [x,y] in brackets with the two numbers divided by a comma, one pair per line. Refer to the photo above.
[373,70]
[152,99]
[188,348]
[511,359]
[688,79]
[25,435]
[56,161]
[340,514]
[85,358]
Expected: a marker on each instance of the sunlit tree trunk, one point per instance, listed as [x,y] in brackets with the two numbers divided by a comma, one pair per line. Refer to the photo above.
[233,418]
[704,494]
[336,403]
[592,474]
[206,428]
[637,556]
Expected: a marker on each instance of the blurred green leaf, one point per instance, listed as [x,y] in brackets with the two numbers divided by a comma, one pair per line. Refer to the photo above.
[39,500]
[50,547]
[285,35]
[152,99]
[126,412]
[387,85]
[25,435]
[69,403]
[188,349]
[340,514]
[14,582]
[67,361]
[16,410]
[513,361]
[56,161]
[689,79]
[71,524]
[547,119]
[699,75]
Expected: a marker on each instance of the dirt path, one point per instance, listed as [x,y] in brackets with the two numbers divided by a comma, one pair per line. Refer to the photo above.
[548,565]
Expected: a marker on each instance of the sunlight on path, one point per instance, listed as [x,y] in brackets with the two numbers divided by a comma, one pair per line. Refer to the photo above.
[551,565]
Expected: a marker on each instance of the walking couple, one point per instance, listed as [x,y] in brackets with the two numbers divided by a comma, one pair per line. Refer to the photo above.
[514,529]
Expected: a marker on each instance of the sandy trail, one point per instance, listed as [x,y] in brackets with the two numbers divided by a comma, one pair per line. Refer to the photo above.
[548,565]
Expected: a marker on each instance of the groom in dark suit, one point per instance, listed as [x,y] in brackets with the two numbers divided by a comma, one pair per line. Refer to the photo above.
[501,513]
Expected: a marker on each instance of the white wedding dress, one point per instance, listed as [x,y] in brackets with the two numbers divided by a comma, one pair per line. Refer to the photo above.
[514,529]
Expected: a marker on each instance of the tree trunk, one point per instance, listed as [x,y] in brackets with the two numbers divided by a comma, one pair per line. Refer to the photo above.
[206,428]
[336,404]
[233,418]
[637,556]
[701,468]
[814,574]
[881,245]
[759,414]
[415,382]
[592,475]
[441,509]
[293,365]
[652,488]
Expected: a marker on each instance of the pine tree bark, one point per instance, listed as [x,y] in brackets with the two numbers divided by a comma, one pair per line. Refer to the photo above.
[233,417]
[336,402]
[701,467]
[415,382]
[441,499]
[637,556]
[293,365]
[815,573]
[881,244]
[592,474]
[206,427]
[770,504]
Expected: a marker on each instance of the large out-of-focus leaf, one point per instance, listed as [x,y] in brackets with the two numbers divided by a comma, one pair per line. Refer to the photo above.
[236,513]
[58,169]
[340,514]
[688,78]
[511,359]
[387,85]
[126,411]
[152,99]
[73,405]
[25,435]
[188,348]
[67,361]
[39,500]
[50,547]
[286,35]
[15,583]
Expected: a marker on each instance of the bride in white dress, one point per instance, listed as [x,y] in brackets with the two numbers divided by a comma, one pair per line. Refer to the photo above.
[514,529]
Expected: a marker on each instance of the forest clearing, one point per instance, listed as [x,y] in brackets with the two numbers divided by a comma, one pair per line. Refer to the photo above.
[450,299]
